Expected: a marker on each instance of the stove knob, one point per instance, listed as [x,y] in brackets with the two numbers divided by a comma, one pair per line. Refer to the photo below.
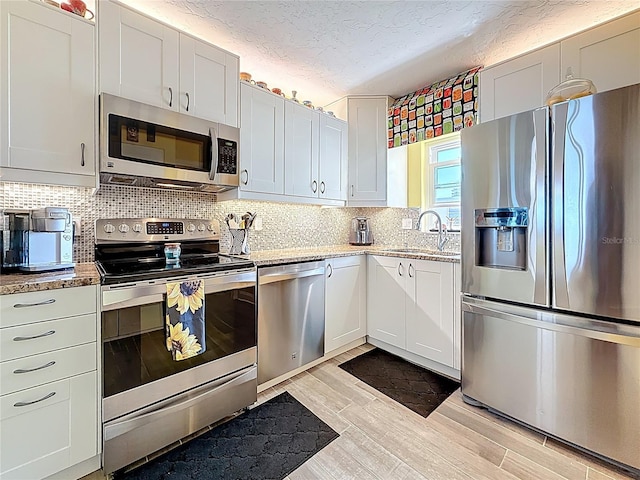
[124,228]
[210,228]
[109,228]
[201,227]
[191,227]
[137,228]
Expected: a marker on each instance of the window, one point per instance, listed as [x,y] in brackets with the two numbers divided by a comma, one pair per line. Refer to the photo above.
[443,175]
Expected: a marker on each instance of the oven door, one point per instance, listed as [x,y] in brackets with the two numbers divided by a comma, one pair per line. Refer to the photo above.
[137,368]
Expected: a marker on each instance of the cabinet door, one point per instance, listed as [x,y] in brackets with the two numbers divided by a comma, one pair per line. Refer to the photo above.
[208,81]
[430,310]
[457,316]
[47,85]
[345,301]
[301,150]
[520,84]
[387,298]
[608,55]
[49,428]
[138,57]
[261,140]
[367,150]
[332,172]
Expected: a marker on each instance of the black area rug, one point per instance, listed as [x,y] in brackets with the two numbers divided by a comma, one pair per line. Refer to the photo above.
[415,387]
[267,442]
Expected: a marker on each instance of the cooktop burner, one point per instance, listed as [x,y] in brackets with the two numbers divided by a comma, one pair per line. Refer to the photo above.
[134,251]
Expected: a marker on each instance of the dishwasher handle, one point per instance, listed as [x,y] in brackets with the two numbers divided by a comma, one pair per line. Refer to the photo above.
[282,276]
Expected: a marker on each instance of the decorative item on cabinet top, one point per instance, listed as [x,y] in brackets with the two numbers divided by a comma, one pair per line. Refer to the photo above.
[443,107]
[77,7]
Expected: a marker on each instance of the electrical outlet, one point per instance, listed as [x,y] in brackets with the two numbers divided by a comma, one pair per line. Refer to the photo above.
[407,224]
[257,224]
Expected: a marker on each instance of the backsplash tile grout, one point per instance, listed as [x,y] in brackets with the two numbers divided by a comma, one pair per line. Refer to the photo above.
[284,225]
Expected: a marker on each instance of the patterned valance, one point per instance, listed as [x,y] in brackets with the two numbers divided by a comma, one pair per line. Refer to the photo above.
[438,109]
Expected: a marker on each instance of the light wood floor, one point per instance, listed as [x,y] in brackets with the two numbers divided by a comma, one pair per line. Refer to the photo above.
[381,439]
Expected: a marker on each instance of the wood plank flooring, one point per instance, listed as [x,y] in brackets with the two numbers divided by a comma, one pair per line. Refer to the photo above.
[381,439]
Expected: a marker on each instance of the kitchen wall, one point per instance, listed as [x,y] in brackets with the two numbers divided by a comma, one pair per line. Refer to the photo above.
[284,225]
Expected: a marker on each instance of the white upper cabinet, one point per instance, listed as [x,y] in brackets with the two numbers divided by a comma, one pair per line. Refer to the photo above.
[608,55]
[47,95]
[332,169]
[208,81]
[261,141]
[315,154]
[519,84]
[148,61]
[367,118]
[301,150]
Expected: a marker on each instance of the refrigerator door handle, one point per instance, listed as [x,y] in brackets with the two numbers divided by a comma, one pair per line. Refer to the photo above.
[556,326]
[540,206]
[559,281]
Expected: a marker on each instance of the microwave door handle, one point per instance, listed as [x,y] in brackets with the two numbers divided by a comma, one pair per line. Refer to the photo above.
[214,153]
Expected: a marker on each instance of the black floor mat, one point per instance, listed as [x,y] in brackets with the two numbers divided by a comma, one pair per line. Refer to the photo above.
[267,442]
[415,387]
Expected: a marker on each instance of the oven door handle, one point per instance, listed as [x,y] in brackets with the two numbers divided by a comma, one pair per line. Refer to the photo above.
[134,420]
[132,297]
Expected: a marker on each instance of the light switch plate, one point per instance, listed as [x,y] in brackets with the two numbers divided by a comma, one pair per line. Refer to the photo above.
[257,224]
[407,224]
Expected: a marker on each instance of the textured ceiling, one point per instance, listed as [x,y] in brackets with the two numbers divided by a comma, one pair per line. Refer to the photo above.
[327,49]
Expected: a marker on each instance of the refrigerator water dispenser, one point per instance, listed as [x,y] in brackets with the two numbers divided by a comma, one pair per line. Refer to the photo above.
[501,238]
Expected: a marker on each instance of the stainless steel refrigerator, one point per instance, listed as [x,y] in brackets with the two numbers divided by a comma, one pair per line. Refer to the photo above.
[551,270]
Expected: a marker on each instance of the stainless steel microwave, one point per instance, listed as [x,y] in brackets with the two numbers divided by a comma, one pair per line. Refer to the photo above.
[147,146]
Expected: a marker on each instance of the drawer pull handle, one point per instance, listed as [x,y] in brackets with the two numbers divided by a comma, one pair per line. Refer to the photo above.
[33,337]
[26,404]
[25,305]
[28,370]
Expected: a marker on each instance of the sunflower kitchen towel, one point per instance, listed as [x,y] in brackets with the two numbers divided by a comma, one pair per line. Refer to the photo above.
[185,319]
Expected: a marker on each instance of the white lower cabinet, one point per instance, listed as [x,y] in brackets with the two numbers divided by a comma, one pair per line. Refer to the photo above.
[345,301]
[49,401]
[411,306]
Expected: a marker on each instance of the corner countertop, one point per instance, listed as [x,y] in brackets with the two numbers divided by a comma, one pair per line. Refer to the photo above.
[276,257]
[83,274]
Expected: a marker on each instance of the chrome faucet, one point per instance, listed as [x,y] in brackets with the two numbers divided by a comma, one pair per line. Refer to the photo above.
[441,238]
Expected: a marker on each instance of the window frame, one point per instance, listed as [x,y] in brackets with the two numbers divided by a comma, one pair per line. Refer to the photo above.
[432,155]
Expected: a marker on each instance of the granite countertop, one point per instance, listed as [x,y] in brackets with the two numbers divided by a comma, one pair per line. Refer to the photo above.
[83,274]
[275,257]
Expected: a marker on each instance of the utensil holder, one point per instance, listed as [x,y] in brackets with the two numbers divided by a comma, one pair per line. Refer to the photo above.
[239,241]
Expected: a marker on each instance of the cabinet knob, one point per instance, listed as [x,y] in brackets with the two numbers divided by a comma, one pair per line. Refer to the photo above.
[400,269]
[322,187]
[410,267]
[314,186]
[246,179]
[330,270]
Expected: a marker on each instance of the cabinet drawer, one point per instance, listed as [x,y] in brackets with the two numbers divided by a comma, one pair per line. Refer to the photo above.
[48,428]
[22,308]
[36,338]
[47,367]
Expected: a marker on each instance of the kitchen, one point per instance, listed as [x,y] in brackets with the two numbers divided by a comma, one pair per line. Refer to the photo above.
[284,225]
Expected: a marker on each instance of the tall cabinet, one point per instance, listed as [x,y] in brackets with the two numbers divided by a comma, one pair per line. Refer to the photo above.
[47,95]
[153,63]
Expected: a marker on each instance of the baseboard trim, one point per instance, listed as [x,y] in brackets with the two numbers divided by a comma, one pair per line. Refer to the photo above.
[79,470]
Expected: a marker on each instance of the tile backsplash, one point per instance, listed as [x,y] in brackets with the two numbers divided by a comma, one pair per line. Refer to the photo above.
[284,225]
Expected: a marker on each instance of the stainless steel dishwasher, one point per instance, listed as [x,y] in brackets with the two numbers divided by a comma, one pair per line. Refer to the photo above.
[290,317]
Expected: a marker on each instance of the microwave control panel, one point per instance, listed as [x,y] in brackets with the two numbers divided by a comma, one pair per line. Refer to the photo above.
[227,156]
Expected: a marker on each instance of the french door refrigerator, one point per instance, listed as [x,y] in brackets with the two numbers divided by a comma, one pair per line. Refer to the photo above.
[551,270]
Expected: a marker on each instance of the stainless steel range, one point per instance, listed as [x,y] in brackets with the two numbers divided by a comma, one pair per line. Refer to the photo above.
[150,399]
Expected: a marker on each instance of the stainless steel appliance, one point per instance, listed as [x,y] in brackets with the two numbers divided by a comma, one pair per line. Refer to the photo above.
[290,317]
[148,146]
[149,399]
[360,233]
[551,270]
[37,240]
